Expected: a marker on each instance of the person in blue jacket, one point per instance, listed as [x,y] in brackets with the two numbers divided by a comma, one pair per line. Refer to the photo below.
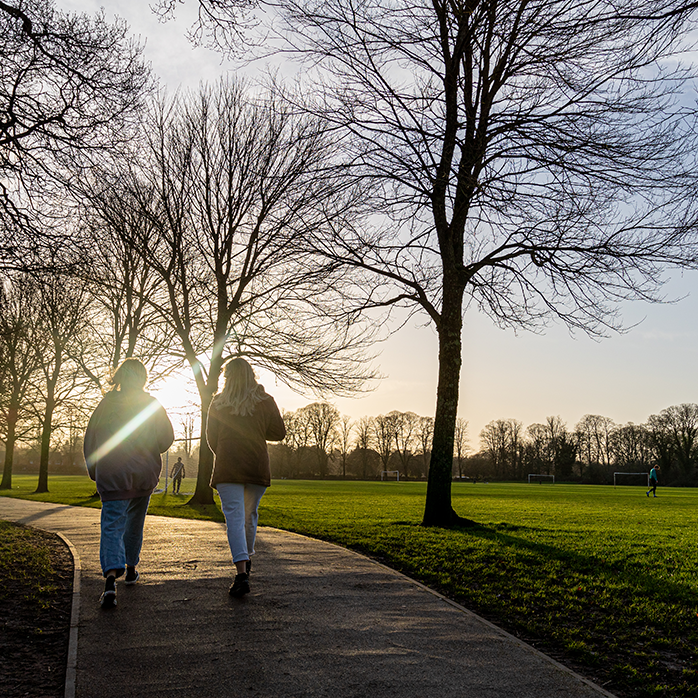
[126,434]
[654,481]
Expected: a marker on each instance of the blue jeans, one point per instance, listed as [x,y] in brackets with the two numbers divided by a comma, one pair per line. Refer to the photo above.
[239,504]
[122,533]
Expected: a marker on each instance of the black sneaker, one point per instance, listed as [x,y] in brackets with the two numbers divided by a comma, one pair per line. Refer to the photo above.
[132,575]
[240,585]
[108,597]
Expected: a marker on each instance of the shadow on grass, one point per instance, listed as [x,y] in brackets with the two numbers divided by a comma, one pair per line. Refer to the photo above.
[171,505]
[633,575]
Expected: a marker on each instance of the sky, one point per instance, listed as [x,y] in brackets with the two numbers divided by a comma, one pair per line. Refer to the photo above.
[505,375]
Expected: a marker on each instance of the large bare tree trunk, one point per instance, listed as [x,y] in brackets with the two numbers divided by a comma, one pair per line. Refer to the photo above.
[438,510]
[203,494]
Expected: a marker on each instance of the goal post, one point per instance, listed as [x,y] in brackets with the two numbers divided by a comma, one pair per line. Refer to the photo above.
[645,482]
[540,478]
[385,474]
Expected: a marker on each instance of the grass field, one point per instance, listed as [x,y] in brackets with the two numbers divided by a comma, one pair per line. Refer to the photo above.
[604,579]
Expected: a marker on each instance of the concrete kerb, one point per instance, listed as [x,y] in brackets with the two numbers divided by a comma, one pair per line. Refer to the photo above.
[72,661]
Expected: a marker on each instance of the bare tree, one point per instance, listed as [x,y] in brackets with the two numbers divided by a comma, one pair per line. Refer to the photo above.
[502,441]
[297,439]
[323,420]
[232,184]
[425,435]
[70,87]
[681,422]
[562,446]
[384,438]
[125,322]
[405,426]
[345,430]
[365,429]
[593,434]
[661,441]
[535,158]
[21,342]
[62,324]
[460,442]
[631,447]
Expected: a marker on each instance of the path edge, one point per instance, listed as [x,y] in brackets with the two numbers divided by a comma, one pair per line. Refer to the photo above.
[602,691]
[72,661]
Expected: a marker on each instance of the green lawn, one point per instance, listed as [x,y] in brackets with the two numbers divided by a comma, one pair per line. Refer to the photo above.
[605,580]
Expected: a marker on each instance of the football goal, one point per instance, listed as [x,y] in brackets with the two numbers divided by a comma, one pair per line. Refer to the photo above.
[540,478]
[390,475]
[621,478]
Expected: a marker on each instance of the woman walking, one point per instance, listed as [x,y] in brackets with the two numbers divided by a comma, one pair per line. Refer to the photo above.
[241,419]
[124,439]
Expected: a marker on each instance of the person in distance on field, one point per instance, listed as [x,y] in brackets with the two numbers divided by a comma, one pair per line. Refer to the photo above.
[126,434]
[241,419]
[654,481]
[177,474]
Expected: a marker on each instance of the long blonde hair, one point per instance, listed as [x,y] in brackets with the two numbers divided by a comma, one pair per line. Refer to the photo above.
[241,393]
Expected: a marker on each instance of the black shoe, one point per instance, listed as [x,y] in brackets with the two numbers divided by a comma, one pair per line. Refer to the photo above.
[240,585]
[132,575]
[248,567]
[108,597]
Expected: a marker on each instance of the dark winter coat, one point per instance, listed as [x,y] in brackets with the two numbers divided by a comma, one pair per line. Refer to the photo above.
[124,439]
[240,443]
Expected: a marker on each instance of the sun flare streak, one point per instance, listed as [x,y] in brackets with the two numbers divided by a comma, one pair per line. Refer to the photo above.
[123,433]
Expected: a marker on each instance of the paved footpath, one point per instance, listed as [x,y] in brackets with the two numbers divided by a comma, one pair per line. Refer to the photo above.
[320,621]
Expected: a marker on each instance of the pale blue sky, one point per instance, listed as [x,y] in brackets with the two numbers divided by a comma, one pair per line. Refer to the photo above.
[526,377]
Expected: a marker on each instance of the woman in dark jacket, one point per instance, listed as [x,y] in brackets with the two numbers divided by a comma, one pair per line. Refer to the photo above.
[241,419]
[124,439]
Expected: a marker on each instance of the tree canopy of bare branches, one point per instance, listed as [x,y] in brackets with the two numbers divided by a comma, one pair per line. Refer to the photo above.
[63,327]
[71,86]
[534,159]
[229,185]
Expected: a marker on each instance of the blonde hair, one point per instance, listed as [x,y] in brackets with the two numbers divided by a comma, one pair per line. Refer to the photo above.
[241,393]
[130,374]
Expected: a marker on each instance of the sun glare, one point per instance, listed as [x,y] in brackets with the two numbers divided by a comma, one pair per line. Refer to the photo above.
[179,397]
[123,433]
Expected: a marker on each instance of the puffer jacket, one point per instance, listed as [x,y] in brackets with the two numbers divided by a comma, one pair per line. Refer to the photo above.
[240,443]
[124,439]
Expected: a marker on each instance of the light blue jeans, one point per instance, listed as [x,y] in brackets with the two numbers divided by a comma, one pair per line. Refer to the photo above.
[122,533]
[240,504]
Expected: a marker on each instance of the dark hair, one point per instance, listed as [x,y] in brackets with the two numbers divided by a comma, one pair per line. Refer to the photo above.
[130,374]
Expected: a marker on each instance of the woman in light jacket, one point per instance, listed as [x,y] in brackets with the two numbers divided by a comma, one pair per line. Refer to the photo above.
[124,439]
[241,419]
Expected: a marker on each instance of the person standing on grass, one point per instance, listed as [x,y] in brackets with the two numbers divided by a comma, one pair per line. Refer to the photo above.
[177,475]
[241,419]
[126,434]
[654,481]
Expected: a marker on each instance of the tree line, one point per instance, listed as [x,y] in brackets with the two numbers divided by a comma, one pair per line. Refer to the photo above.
[593,450]
[320,442]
